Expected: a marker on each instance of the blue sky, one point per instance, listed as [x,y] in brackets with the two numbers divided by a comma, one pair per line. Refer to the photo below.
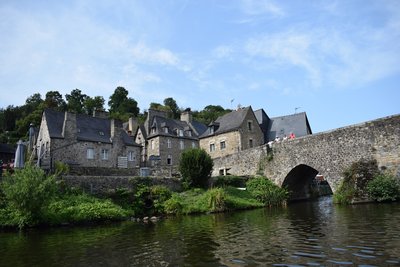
[339,61]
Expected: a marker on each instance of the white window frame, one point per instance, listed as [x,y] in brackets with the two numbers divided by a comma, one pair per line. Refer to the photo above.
[90,153]
[193,144]
[222,145]
[152,144]
[131,156]
[181,144]
[169,143]
[212,147]
[104,154]
[180,132]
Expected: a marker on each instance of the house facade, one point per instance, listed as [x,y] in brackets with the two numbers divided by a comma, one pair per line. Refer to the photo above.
[164,139]
[84,141]
[232,132]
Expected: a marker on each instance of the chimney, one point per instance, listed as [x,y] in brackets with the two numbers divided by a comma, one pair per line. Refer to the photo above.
[116,128]
[187,116]
[132,125]
[69,130]
[100,114]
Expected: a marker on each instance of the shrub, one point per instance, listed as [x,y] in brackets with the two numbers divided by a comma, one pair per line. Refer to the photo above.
[195,167]
[173,205]
[27,192]
[215,199]
[265,191]
[159,194]
[82,208]
[61,168]
[383,187]
[355,180]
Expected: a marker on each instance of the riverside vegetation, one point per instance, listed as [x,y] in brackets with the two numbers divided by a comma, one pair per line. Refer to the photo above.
[364,182]
[29,197]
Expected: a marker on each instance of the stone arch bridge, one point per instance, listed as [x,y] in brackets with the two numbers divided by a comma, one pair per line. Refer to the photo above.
[295,163]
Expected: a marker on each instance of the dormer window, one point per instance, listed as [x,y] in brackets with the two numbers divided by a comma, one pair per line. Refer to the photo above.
[211,129]
[101,133]
[189,133]
[153,130]
[166,130]
[180,132]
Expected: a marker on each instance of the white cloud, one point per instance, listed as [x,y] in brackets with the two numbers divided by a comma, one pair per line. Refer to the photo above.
[222,51]
[145,54]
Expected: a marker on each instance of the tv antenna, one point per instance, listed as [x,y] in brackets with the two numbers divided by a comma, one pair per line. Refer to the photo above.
[295,109]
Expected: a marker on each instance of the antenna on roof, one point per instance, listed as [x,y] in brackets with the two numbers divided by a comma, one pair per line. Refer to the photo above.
[295,109]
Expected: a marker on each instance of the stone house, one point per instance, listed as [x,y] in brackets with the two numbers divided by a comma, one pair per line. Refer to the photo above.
[232,132]
[163,139]
[84,141]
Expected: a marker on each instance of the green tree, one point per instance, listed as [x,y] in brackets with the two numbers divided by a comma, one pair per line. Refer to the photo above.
[171,104]
[210,113]
[92,104]
[195,167]
[27,192]
[75,101]
[55,100]
[121,105]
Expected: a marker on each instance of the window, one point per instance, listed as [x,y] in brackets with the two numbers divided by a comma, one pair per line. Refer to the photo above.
[222,145]
[180,132]
[165,129]
[90,153]
[250,142]
[153,130]
[104,154]
[131,156]
[212,147]
[152,144]
[193,144]
[189,133]
[250,125]
[181,144]
[169,143]
[169,160]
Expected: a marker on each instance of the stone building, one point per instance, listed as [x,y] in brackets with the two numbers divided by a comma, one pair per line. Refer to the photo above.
[231,133]
[163,139]
[84,141]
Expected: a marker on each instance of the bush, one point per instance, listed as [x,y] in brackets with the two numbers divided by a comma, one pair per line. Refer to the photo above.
[215,199]
[159,194]
[383,187]
[355,180]
[27,192]
[173,205]
[195,167]
[265,191]
[82,208]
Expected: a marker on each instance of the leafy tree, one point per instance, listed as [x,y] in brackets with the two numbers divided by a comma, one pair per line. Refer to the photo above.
[121,105]
[171,103]
[195,167]
[156,106]
[27,192]
[55,100]
[210,113]
[75,101]
[91,104]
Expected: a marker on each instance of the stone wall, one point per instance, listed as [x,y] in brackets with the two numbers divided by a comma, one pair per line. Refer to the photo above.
[99,185]
[330,153]
[243,163]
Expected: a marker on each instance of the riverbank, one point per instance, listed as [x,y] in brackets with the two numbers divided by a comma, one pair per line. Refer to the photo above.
[30,198]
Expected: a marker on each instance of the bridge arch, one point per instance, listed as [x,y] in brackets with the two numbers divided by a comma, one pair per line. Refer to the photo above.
[302,183]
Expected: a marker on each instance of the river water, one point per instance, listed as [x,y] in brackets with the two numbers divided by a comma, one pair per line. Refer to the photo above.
[314,233]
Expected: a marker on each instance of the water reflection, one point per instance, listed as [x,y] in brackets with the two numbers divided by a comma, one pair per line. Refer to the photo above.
[303,234]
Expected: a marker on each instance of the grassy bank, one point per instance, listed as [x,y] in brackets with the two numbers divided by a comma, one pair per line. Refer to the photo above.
[30,198]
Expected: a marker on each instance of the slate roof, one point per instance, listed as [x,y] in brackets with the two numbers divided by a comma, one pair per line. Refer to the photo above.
[174,126]
[263,121]
[89,128]
[283,125]
[228,122]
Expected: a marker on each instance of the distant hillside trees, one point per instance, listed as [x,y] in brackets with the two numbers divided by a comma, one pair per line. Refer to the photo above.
[15,120]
